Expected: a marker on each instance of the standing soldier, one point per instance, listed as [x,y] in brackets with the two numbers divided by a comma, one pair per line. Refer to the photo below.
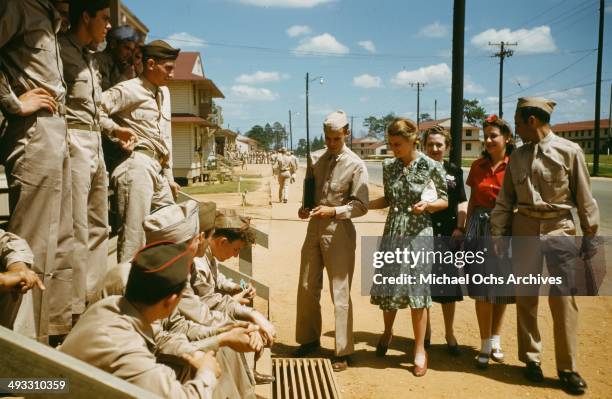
[285,169]
[89,23]
[341,193]
[34,150]
[140,181]
[545,179]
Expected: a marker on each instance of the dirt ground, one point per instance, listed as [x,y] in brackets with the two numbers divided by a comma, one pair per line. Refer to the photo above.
[391,377]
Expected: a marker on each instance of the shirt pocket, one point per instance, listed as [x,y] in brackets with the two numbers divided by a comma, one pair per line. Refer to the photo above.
[38,41]
[555,179]
[140,114]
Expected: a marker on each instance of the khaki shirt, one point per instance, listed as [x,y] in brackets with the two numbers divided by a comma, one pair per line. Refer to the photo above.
[84,93]
[551,175]
[138,105]
[114,336]
[29,51]
[14,249]
[176,335]
[284,164]
[341,181]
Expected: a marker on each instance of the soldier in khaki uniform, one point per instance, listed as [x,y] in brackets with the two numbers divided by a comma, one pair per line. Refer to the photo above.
[90,22]
[115,63]
[341,193]
[140,182]
[285,169]
[544,180]
[116,334]
[34,151]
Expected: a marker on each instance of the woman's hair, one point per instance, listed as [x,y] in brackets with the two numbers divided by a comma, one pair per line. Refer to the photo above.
[437,129]
[405,128]
[504,128]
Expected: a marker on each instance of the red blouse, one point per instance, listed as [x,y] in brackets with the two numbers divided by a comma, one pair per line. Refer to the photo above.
[485,183]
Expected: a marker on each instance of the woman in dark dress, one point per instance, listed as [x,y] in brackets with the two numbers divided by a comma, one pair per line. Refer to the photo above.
[449,227]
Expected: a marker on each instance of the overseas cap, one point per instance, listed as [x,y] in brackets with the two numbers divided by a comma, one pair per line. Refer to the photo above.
[229,219]
[537,102]
[159,49]
[160,266]
[207,215]
[176,223]
[124,33]
[336,120]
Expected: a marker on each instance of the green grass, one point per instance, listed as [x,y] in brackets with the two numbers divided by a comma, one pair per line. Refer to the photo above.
[605,164]
[227,187]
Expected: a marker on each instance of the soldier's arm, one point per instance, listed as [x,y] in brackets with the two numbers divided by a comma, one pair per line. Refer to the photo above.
[14,249]
[358,198]
[580,186]
[501,215]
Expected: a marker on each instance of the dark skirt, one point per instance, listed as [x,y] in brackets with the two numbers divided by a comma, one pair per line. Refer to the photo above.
[446,293]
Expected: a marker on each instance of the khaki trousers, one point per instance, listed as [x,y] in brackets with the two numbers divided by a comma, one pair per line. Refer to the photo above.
[35,154]
[329,244]
[550,243]
[140,188]
[90,215]
[283,185]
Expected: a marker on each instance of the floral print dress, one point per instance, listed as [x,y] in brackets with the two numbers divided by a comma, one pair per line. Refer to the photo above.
[403,187]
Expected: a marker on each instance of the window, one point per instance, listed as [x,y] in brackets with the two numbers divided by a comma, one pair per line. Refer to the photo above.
[468,133]
[468,146]
[588,144]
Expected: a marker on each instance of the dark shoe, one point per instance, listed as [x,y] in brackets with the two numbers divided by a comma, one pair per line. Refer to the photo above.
[453,350]
[482,361]
[56,340]
[340,363]
[261,379]
[572,382]
[381,348]
[421,371]
[533,372]
[307,349]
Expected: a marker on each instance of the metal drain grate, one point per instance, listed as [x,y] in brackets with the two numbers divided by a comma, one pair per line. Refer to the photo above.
[304,379]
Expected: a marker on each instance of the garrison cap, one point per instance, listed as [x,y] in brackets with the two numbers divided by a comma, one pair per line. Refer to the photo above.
[336,120]
[123,33]
[229,219]
[537,102]
[160,266]
[176,222]
[208,212]
[159,49]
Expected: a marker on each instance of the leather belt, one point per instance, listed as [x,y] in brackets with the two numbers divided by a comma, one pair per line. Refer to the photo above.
[544,214]
[84,126]
[149,153]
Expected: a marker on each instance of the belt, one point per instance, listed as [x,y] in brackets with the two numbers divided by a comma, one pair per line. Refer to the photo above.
[149,153]
[543,214]
[84,126]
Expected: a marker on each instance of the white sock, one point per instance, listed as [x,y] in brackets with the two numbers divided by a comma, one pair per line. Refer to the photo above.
[419,359]
[495,342]
[486,345]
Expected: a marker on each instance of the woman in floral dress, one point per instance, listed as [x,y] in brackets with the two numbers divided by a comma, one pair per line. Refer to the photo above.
[406,179]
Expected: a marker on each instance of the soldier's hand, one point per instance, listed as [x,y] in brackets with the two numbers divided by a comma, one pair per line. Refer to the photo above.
[175,188]
[230,326]
[34,100]
[239,338]
[267,329]
[207,361]
[127,138]
[20,276]
[323,212]
[242,297]
[588,249]
[303,213]
[256,341]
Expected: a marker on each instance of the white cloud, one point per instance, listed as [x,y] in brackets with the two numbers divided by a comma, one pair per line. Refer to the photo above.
[368,45]
[298,30]
[530,41]
[286,3]
[185,40]
[324,43]
[471,87]
[249,93]
[435,75]
[261,77]
[367,81]
[434,30]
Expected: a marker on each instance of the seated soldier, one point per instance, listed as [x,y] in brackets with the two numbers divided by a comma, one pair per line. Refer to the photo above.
[115,334]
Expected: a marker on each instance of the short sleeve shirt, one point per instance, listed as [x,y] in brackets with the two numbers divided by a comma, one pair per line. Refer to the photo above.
[485,182]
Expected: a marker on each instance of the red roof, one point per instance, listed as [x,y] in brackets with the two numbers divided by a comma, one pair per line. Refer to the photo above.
[578,126]
[184,66]
[376,145]
[187,118]
[424,125]
[366,139]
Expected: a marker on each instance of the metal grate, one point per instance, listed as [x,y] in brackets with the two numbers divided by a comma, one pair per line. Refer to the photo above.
[304,379]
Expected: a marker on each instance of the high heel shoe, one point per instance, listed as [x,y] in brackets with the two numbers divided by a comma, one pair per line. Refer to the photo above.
[419,371]
[497,355]
[482,360]
[382,347]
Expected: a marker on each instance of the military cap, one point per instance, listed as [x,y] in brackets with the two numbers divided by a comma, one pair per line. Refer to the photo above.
[229,219]
[208,212]
[537,102]
[123,33]
[336,120]
[160,266]
[176,222]
[159,49]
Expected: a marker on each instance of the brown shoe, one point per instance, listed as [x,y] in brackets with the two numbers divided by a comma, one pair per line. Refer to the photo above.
[262,379]
[421,371]
[340,363]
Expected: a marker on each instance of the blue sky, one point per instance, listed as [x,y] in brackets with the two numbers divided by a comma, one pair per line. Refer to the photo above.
[258,52]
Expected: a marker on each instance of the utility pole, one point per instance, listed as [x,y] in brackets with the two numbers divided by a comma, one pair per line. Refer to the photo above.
[503,53]
[351,144]
[609,141]
[598,89]
[435,110]
[290,132]
[419,86]
[457,82]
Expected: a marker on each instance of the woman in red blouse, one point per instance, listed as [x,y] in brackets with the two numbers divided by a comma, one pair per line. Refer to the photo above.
[485,180]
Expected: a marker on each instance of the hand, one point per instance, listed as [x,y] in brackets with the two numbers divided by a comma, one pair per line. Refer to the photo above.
[588,249]
[239,339]
[230,326]
[175,188]
[206,361]
[256,341]
[323,212]
[419,207]
[34,100]
[242,298]
[267,329]
[458,235]
[21,277]
[127,138]
[292,180]
[303,213]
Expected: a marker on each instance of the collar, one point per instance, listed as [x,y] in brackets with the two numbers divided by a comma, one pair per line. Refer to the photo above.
[74,40]
[148,85]
[137,320]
